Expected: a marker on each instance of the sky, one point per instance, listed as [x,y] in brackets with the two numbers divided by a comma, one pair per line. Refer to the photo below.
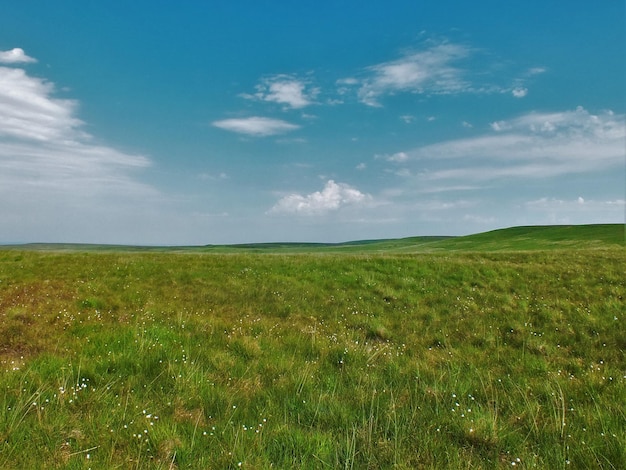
[155,123]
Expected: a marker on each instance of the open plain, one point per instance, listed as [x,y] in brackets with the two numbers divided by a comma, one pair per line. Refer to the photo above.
[500,350]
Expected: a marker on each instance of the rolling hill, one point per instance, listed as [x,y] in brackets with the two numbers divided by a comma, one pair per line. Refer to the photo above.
[548,237]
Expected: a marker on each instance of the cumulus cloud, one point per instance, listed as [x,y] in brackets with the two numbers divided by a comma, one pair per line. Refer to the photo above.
[519,92]
[519,88]
[256,126]
[15,56]
[285,89]
[333,197]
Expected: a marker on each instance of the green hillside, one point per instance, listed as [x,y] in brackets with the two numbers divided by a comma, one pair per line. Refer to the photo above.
[539,238]
[508,239]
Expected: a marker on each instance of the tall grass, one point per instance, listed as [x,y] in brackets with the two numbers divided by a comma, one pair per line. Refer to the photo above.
[490,360]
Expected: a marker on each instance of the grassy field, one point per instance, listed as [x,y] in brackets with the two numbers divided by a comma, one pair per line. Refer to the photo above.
[453,357]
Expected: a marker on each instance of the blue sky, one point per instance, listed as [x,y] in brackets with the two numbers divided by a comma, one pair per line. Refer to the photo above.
[249,121]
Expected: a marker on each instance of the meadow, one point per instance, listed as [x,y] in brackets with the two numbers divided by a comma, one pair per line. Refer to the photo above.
[411,354]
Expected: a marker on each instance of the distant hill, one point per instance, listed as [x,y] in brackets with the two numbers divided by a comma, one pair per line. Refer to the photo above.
[546,237]
[540,238]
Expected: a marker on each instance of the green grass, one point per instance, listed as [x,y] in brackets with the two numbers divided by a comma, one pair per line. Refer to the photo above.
[458,359]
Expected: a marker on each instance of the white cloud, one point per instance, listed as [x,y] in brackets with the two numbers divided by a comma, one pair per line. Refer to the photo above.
[399,157]
[479,219]
[431,71]
[344,86]
[42,140]
[212,176]
[437,68]
[15,56]
[294,140]
[256,126]
[498,126]
[565,211]
[533,145]
[519,88]
[519,92]
[28,110]
[333,197]
[350,81]
[52,173]
[575,204]
[285,89]
[402,172]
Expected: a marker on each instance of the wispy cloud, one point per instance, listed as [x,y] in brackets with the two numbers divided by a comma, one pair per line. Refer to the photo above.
[564,211]
[435,68]
[398,157]
[431,71]
[28,110]
[49,163]
[288,90]
[213,176]
[333,197]
[43,142]
[578,203]
[256,126]
[519,88]
[532,146]
[15,56]
[536,71]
